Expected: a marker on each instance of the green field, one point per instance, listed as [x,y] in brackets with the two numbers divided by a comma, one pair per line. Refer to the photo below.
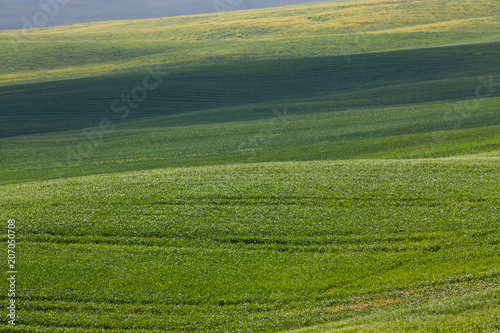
[261,247]
[328,167]
[370,80]
[294,32]
[308,109]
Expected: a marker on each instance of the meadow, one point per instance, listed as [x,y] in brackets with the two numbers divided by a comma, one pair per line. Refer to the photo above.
[307,109]
[371,80]
[409,132]
[329,167]
[257,247]
[312,30]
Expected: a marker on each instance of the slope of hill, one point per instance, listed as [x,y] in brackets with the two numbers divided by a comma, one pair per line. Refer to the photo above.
[74,12]
[310,167]
[373,80]
[259,247]
[436,130]
[322,29]
[296,109]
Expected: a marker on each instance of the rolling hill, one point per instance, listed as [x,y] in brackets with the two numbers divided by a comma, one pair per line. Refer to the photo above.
[313,30]
[12,12]
[261,247]
[329,167]
[435,102]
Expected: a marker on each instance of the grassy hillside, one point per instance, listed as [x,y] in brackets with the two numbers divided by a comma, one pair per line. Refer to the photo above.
[437,102]
[323,168]
[373,80]
[435,130]
[311,30]
[74,12]
[261,247]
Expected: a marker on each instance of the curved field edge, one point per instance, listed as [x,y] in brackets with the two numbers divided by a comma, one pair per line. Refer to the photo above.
[311,30]
[258,247]
[419,131]
[249,91]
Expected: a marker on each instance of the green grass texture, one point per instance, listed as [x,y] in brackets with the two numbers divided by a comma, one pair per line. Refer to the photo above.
[310,30]
[370,80]
[436,130]
[330,167]
[259,247]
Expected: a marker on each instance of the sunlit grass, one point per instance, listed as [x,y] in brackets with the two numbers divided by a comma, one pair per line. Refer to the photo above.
[322,29]
[261,187]
[262,247]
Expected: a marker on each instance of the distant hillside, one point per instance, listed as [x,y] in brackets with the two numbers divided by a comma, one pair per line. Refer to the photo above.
[13,11]
[372,80]
[310,30]
[401,104]
[316,168]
